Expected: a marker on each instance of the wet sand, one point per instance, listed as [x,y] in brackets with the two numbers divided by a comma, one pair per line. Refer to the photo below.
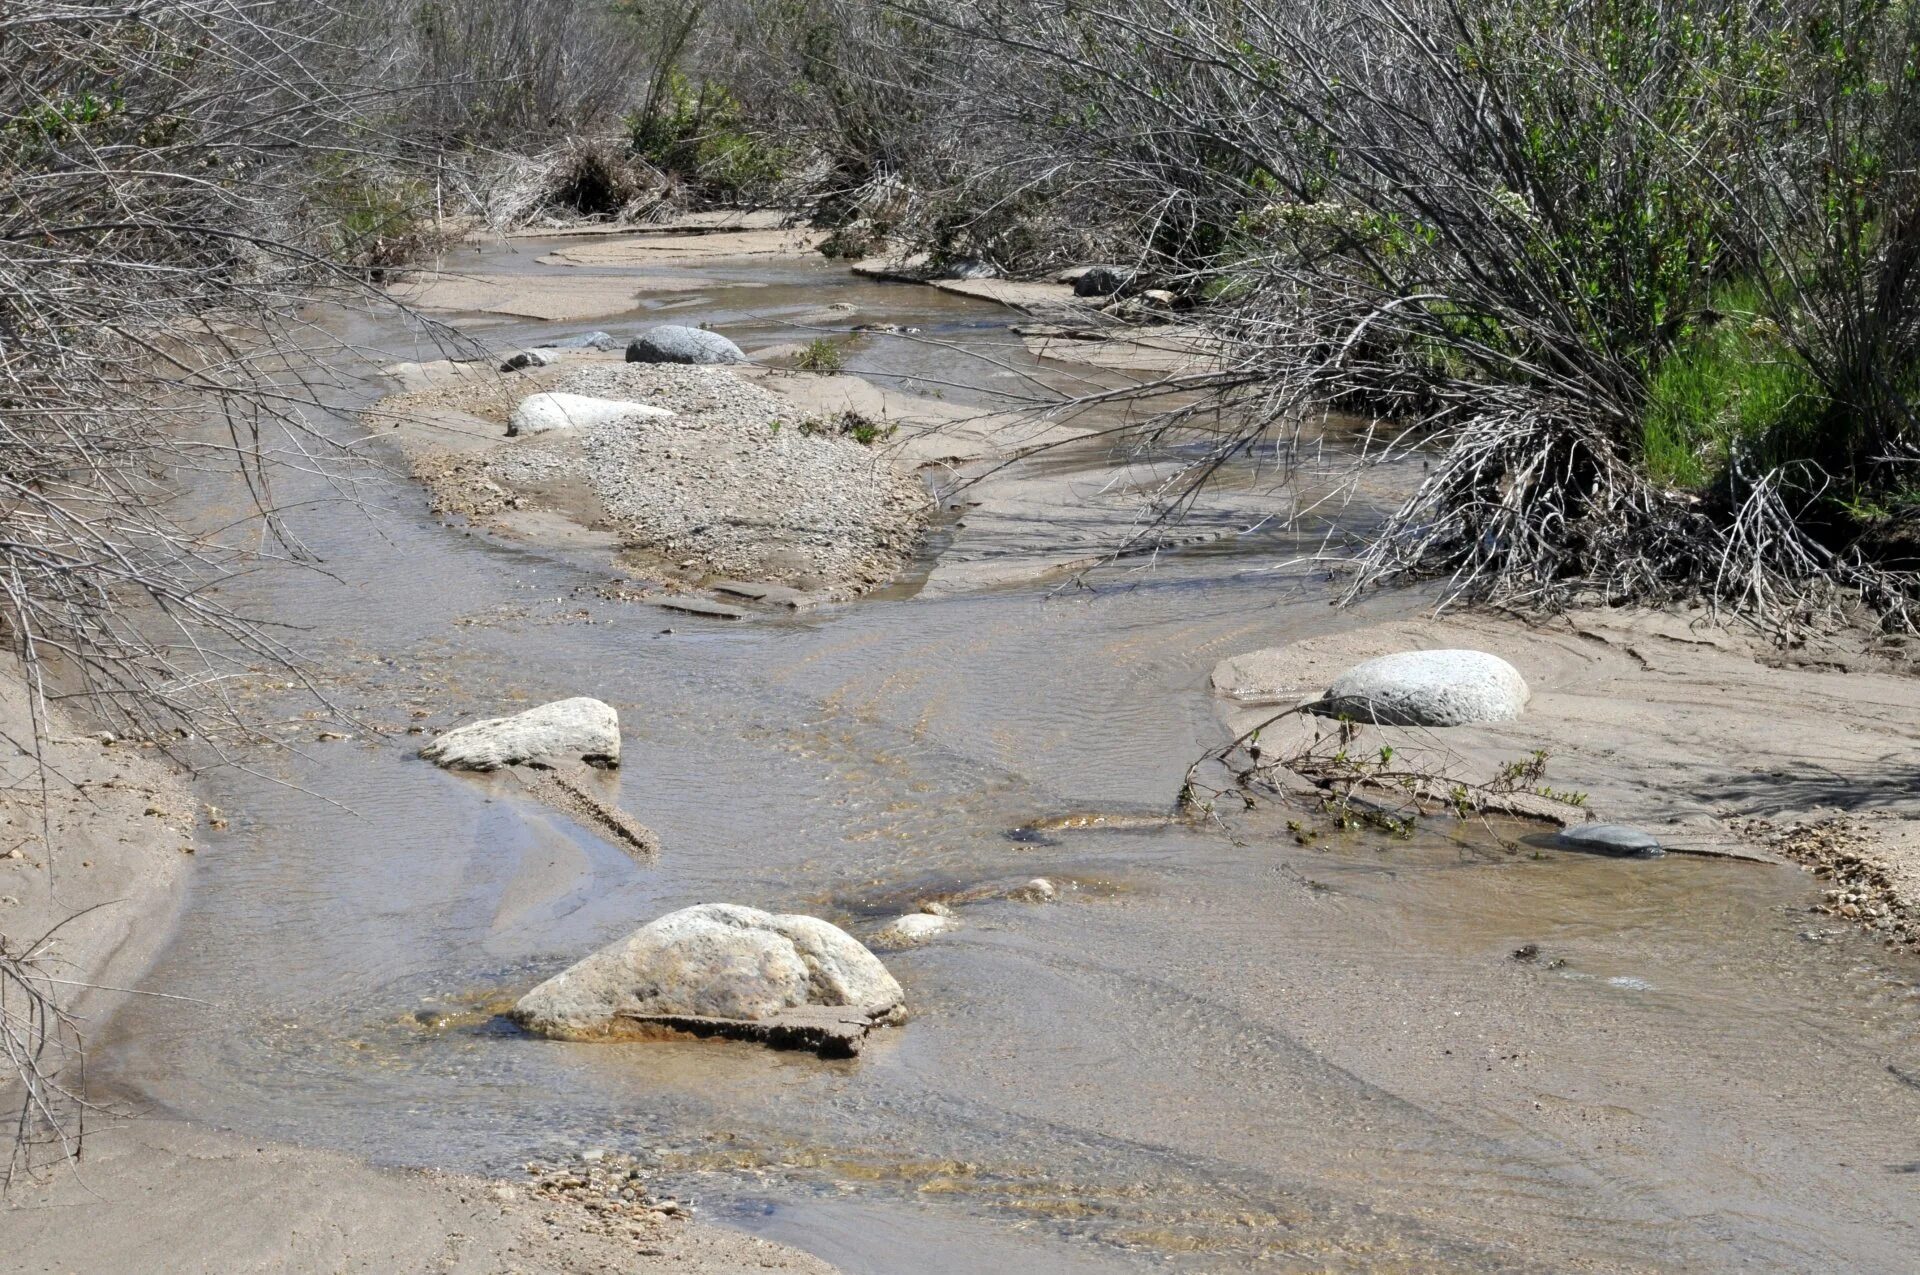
[1221,1049]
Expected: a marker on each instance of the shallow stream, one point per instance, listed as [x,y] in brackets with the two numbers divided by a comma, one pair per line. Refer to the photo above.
[1214,1052]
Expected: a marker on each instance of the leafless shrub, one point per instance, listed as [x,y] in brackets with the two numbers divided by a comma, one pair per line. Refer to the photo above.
[170,200]
[502,73]
[1347,775]
[1513,228]
[41,1045]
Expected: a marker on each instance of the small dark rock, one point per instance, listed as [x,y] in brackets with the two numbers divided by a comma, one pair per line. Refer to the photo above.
[520,359]
[1102,281]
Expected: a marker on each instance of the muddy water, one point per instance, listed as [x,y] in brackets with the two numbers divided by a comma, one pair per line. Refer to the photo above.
[1216,1051]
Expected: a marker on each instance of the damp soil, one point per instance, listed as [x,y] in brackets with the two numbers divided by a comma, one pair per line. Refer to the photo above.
[1213,1052]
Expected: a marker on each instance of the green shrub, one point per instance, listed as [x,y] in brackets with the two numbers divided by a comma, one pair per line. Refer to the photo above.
[373,218]
[700,136]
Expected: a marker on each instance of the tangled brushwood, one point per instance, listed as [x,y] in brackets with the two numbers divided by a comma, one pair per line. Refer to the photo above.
[154,247]
[41,1044]
[168,202]
[1340,770]
[1639,278]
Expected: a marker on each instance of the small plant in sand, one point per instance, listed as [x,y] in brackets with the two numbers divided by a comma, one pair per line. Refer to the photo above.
[1381,787]
[821,356]
[859,427]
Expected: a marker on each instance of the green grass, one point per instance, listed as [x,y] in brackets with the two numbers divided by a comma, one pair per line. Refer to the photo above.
[822,356]
[1732,384]
[861,429]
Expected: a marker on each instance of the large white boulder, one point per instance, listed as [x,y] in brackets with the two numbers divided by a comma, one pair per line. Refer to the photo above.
[1427,688]
[581,728]
[538,413]
[716,960]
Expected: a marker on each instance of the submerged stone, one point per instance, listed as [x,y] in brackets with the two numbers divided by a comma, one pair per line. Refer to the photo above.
[915,927]
[581,727]
[1610,838]
[582,341]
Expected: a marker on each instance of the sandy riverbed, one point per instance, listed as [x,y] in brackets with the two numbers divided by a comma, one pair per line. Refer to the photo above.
[1694,731]
[151,1193]
[1712,733]
[1709,735]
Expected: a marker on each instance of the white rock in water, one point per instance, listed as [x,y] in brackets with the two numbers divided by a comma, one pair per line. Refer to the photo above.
[539,413]
[1428,688]
[915,927]
[716,960]
[1038,890]
[579,727]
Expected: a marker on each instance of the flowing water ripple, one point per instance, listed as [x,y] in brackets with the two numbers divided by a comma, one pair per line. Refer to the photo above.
[1218,1050]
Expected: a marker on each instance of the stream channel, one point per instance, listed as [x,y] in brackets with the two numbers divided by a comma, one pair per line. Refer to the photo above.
[1214,1052]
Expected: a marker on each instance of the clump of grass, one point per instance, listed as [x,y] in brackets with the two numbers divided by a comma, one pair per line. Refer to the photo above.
[822,356]
[860,428]
[1730,386]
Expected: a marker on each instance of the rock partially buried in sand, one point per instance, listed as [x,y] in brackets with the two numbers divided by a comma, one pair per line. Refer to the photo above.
[582,341]
[1101,281]
[581,728]
[1611,838]
[520,359]
[1427,688]
[1038,890]
[670,344]
[914,928]
[539,413]
[721,969]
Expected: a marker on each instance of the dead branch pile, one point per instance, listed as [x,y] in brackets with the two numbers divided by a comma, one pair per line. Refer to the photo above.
[1342,773]
[1639,278]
